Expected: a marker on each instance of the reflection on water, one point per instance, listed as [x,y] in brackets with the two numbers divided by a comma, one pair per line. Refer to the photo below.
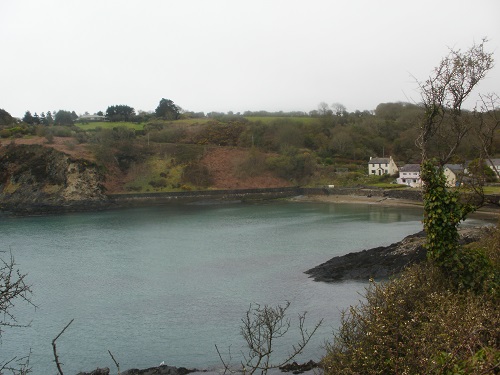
[167,283]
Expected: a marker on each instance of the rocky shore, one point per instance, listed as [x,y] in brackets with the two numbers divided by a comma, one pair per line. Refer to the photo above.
[383,261]
[294,367]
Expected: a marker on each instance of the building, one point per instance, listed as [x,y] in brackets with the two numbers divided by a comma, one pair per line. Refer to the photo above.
[494,164]
[410,175]
[381,166]
[90,118]
[454,174]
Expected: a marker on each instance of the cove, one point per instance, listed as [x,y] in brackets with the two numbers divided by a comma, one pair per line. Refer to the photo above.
[168,283]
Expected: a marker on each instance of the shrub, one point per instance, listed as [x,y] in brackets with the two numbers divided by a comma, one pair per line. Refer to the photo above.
[253,165]
[197,175]
[160,183]
[409,326]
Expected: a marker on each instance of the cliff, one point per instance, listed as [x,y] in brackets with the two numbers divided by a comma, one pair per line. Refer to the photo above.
[34,179]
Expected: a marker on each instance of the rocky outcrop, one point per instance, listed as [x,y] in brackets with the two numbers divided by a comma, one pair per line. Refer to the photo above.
[382,262]
[160,370]
[36,178]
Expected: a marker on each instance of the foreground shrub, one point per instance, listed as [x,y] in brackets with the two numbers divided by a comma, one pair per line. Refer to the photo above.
[418,323]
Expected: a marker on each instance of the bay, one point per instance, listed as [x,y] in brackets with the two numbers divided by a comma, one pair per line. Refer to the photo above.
[168,283]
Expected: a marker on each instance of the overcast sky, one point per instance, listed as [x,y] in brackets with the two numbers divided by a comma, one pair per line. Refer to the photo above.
[231,55]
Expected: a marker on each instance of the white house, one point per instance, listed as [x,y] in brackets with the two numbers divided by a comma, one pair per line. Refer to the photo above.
[494,164]
[453,174]
[410,175]
[90,118]
[381,166]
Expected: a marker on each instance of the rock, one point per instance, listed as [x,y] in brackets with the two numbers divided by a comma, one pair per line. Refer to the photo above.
[381,262]
[97,371]
[160,370]
[297,368]
[36,179]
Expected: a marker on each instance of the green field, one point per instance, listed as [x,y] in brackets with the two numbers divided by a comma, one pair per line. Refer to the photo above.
[109,125]
[270,119]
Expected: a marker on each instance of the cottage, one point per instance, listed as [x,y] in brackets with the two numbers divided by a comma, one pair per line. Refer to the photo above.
[381,166]
[410,175]
[454,174]
[494,164]
[90,118]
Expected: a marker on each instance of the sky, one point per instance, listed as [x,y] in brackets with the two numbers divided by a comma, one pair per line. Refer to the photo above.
[231,55]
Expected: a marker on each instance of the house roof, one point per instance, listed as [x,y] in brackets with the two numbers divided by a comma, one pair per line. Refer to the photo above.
[379,160]
[410,168]
[455,167]
[494,161]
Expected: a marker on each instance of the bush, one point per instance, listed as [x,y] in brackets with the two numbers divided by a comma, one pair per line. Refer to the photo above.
[171,134]
[409,326]
[253,165]
[160,183]
[197,175]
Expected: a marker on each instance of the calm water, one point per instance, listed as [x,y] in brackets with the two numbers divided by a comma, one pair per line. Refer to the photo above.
[167,283]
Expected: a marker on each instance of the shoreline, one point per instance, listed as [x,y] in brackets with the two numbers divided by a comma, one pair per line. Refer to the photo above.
[487,213]
[386,201]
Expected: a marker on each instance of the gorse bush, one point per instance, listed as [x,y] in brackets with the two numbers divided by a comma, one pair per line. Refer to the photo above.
[418,324]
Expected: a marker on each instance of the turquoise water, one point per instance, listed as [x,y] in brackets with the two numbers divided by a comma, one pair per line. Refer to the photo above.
[168,283]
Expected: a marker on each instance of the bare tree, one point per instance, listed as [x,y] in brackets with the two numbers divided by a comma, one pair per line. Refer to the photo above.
[442,130]
[13,288]
[262,327]
[443,95]
[488,115]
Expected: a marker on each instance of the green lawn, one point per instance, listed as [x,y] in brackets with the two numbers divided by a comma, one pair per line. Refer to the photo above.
[491,190]
[269,119]
[109,125]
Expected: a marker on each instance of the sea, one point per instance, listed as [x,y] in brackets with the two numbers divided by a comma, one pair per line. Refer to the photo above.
[172,283]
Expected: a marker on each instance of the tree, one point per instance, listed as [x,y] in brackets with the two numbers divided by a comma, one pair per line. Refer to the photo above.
[444,126]
[63,118]
[339,109]
[167,109]
[36,119]
[443,95]
[28,118]
[262,328]
[13,289]
[5,117]
[324,110]
[122,112]
[49,118]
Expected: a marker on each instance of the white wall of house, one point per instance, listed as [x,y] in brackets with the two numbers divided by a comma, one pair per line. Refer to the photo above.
[451,177]
[381,166]
[410,175]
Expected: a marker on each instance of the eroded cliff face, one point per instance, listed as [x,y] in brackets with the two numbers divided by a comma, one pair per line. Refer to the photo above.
[34,177]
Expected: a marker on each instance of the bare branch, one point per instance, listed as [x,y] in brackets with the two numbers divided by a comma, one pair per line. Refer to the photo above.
[58,364]
[116,363]
[261,327]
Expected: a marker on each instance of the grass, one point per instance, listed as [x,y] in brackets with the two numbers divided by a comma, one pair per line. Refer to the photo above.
[491,189]
[109,125]
[156,175]
[270,119]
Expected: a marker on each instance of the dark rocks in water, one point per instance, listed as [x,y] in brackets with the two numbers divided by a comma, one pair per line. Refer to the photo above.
[160,370]
[97,371]
[381,262]
[297,368]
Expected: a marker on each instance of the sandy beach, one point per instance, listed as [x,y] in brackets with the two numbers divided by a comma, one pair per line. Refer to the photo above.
[490,214]
[385,201]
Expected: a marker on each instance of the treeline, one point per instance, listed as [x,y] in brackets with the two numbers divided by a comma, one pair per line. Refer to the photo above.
[326,135]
